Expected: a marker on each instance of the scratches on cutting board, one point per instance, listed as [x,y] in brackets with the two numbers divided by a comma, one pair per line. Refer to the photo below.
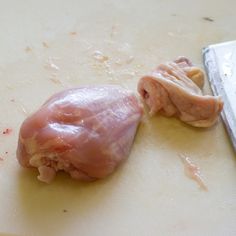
[209,19]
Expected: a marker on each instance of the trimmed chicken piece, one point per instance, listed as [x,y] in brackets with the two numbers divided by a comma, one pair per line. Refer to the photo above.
[85,132]
[174,89]
[193,171]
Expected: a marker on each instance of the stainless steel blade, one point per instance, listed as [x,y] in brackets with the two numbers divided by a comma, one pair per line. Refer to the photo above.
[220,64]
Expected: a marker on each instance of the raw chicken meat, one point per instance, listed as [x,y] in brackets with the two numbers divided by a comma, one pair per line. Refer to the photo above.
[174,89]
[84,131]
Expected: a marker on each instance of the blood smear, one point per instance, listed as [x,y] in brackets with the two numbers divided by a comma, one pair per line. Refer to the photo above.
[7,131]
[193,171]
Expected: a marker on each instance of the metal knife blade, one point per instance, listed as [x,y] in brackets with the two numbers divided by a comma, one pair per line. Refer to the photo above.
[220,64]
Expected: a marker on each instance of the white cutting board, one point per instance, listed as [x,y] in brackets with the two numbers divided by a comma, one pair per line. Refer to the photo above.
[149,194]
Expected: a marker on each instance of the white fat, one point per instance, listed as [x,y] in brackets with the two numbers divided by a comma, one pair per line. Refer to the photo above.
[46,174]
[36,160]
[52,156]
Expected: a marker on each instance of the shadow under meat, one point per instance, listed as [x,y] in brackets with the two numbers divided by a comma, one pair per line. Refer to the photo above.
[170,133]
[56,204]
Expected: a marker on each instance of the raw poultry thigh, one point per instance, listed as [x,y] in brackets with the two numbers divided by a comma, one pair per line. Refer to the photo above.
[85,132]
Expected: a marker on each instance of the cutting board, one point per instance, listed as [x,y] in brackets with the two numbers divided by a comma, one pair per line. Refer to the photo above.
[48,46]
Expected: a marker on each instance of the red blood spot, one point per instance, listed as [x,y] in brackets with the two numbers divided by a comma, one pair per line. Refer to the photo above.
[7,131]
[1,159]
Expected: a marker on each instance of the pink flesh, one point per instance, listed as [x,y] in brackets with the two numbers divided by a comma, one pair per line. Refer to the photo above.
[174,89]
[84,131]
[193,172]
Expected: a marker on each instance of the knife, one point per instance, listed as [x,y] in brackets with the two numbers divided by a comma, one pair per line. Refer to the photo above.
[220,65]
